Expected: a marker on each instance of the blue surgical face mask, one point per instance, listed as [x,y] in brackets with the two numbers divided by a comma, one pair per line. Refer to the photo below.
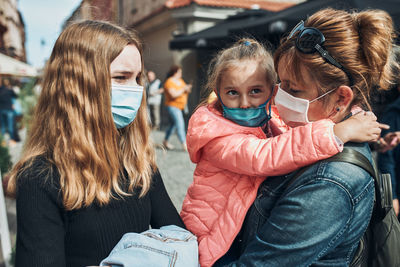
[125,102]
[249,117]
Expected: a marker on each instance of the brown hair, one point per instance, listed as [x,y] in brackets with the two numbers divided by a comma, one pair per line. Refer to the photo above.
[360,41]
[244,49]
[172,70]
[73,127]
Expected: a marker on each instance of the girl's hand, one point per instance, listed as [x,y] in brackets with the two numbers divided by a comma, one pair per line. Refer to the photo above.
[361,127]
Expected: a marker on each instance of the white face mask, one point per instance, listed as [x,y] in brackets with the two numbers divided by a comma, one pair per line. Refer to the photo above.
[294,110]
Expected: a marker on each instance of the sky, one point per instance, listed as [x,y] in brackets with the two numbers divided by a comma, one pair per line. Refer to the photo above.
[43,21]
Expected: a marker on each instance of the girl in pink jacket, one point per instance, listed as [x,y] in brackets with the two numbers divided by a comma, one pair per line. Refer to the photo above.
[239,140]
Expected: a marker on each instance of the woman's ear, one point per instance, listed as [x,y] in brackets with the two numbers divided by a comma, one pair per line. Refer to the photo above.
[341,101]
[344,97]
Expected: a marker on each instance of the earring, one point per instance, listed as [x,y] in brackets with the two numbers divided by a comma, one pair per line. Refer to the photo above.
[337,109]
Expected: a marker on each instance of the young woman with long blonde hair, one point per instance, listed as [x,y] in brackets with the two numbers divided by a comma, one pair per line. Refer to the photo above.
[88,173]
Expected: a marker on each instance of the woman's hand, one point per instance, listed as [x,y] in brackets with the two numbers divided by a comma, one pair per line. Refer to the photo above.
[361,127]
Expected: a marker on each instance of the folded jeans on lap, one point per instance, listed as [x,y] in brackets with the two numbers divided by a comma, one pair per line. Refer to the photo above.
[168,246]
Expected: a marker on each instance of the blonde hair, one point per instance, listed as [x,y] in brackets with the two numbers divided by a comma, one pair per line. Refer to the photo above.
[361,42]
[244,49]
[73,127]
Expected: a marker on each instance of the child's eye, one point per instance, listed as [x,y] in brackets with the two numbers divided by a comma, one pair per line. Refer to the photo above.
[255,91]
[232,92]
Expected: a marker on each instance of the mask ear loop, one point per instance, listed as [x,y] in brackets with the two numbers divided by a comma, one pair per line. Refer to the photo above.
[337,109]
[269,102]
[220,100]
[321,96]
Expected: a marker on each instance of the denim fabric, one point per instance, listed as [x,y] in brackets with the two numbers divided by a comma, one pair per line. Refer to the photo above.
[7,115]
[317,220]
[177,122]
[168,246]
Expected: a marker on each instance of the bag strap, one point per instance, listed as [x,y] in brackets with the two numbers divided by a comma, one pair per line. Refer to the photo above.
[354,157]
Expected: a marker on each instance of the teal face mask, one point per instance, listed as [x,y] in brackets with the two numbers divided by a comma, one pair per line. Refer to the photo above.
[249,117]
[125,102]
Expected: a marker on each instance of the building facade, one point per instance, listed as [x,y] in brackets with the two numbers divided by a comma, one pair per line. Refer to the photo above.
[159,21]
[12,30]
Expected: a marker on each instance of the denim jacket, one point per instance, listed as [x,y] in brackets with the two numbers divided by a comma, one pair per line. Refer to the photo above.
[316,220]
[170,246]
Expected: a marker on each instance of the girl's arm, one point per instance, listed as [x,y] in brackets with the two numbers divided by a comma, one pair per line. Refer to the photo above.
[298,147]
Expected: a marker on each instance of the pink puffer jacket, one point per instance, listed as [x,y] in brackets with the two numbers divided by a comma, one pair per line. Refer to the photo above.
[232,161]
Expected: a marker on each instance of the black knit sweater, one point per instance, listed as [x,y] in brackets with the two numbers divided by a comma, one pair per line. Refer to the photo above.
[48,235]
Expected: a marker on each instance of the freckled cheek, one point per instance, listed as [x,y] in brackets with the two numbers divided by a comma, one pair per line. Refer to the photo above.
[230,103]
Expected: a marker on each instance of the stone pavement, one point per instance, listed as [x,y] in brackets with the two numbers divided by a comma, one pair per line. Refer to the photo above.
[175,168]
[174,165]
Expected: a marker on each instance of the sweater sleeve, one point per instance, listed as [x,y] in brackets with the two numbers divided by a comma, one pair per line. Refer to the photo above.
[163,211]
[40,231]
[250,155]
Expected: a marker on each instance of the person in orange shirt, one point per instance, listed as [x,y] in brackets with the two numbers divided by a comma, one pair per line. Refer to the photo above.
[176,95]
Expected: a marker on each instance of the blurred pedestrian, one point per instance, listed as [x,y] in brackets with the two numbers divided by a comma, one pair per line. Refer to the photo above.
[6,110]
[17,107]
[88,173]
[176,95]
[154,97]
[388,146]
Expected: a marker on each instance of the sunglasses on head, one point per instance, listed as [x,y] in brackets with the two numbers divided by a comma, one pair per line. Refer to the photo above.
[310,40]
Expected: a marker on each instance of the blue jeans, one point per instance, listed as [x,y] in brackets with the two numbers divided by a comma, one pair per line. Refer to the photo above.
[7,121]
[177,123]
[168,246]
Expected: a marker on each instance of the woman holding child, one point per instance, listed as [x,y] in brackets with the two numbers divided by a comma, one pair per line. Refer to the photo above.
[319,218]
[326,67]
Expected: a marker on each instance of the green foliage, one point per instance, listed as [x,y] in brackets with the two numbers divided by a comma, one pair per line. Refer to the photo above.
[28,100]
[5,158]
[12,258]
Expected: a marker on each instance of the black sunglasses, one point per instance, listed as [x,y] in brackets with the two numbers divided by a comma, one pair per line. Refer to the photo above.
[310,40]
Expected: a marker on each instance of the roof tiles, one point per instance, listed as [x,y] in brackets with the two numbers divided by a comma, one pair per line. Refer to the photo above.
[262,4]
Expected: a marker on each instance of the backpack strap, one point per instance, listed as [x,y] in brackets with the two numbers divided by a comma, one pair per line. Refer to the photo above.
[353,156]
[382,185]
